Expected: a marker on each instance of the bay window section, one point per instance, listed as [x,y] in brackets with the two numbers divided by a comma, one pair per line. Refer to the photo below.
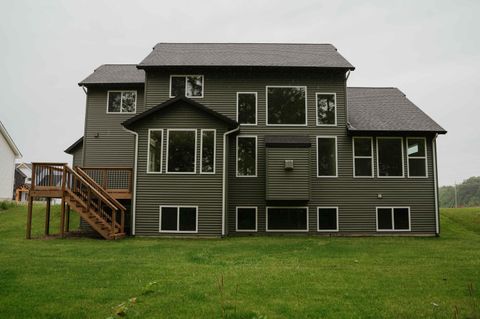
[207,151]
[247,108]
[186,85]
[178,219]
[417,157]
[362,157]
[326,109]
[121,101]
[181,151]
[390,157]
[155,150]
[286,105]
[393,218]
[327,156]
[246,156]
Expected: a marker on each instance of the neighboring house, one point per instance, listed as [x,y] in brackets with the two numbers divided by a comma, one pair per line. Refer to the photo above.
[20,190]
[26,169]
[235,139]
[8,153]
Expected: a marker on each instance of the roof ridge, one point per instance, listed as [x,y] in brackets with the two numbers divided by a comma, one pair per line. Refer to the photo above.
[285,43]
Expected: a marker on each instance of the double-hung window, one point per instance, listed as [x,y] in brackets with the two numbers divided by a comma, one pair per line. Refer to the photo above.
[155,150]
[390,157]
[186,85]
[207,151]
[178,219]
[247,108]
[393,218]
[181,151]
[327,219]
[326,109]
[327,156]
[417,157]
[362,157]
[121,101]
[246,156]
[246,219]
[286,105]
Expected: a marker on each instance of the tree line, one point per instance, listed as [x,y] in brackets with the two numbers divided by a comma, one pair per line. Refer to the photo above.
[467,194]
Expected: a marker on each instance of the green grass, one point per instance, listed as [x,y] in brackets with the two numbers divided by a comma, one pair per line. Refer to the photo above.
[273,277]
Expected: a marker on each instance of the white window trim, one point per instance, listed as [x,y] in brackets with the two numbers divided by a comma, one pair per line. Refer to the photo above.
[168,142]
[256,219]
[316,107]
[178,220]
[403,156]
[336,154]
[121,92]
[318,222]
[256,156]
[393,220]
[369,157]
[285,86]
[161,150]
[214,150]
[256,108]
[416,157]
[186,75]
[286,230]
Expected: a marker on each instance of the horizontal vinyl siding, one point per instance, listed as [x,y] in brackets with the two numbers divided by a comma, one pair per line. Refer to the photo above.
[77,156]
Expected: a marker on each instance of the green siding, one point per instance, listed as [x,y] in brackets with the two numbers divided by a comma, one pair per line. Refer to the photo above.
[77,156]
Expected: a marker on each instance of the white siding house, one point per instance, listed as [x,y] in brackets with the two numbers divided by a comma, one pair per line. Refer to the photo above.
[8,153]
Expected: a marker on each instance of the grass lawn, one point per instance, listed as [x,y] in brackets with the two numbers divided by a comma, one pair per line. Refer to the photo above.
[262,277]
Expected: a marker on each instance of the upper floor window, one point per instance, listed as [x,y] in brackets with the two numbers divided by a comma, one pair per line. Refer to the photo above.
[207,151]
[155,147]
[362,157]
[247,108]
[286,105]
[326,109]
[417,157]
[246,156]
[327,156]
[390,157]
[181,151]
[186,85]
[122,101]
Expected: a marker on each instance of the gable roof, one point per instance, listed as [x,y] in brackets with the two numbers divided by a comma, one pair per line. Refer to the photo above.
[386,110]
[72,148]
[245,54]
[165,105]
[24,165]
[115,74]
[10,142]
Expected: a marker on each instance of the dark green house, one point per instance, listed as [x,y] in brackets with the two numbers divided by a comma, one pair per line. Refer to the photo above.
[243,139]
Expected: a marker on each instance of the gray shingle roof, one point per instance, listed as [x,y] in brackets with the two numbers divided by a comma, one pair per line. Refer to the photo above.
[78,143]
[115,74]
[246,54]
[386,109]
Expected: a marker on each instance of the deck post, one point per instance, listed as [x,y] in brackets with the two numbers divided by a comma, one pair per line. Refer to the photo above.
[67,226]
[29,218]
[47,216]
[62,215]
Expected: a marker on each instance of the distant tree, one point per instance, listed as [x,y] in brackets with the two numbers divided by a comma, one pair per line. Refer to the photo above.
[468,194]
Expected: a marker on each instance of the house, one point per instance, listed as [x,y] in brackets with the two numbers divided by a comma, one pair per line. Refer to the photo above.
[20,188]
[244,139]
[25,169]
[8,154]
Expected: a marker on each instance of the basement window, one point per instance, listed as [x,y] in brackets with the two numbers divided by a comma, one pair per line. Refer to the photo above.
[327,218]
[327,156]
[287,219]
[393,218]
[155,150]
[186,85]
[181,151]
[362,157]
[178,219]
[247,108]
[246,156]
[286,105]
[390,156]
[121,101]
[246,219]
[207,151]
[326,109]
[417,157]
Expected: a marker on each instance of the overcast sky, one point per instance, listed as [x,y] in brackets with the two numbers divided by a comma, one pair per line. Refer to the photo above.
[428,49]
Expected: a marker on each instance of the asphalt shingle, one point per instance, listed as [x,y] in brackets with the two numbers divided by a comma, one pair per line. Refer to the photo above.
[115,74]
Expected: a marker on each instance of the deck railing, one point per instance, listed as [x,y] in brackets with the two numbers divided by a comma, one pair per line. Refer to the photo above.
[47,176]
[112,179]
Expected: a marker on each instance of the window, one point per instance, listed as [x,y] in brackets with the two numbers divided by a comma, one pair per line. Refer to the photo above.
[247,108]
[246,156]
[417,157]
[362,157]
[390,156]
[207,151]
[283,219]
[327,156]
[286,105]
[178,219]
[121,101]
[246,219]
[181,151]
[326,109]
[186,85]
[327,218]
[155,150]
[393,218]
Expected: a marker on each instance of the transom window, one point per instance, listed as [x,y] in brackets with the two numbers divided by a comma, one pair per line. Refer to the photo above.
[246,156]
[122,101]
[155,150]
[246,219]
[326,109]
[207,151]
[178,219]
[362,157]
[286,105]
[417,157]
[181,151]
[390,156]
[327,218]
[186,85]
[283,219]
[393,218]
[327,156]
[247,108]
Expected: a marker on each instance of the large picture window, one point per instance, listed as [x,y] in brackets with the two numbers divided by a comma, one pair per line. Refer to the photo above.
[327,218]
[326,109]
[207,151]
[155,150]
[287,219]
[286,105]
[121,101]
[178,219]
[362,157]
[393,218]
[390,156]
[326,156]
[417,157]
[247,108]
[186,85]
[246,219]
[246,156]
[181,151]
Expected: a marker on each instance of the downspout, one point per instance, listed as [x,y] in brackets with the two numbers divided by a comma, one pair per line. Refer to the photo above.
[435,173]
[84,126]
[224,177]
[134,195]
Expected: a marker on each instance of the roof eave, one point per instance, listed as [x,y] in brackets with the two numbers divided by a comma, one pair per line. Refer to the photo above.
[159,66]
[395,132]
[74,146]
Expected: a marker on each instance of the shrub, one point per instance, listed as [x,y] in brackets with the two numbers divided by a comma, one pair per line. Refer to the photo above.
[4,205]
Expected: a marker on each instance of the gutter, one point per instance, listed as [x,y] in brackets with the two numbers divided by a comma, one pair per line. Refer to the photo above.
[224,177]
[435,182]
[134,195]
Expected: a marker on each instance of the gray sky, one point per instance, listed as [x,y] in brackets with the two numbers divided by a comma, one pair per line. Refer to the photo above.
[428,49]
